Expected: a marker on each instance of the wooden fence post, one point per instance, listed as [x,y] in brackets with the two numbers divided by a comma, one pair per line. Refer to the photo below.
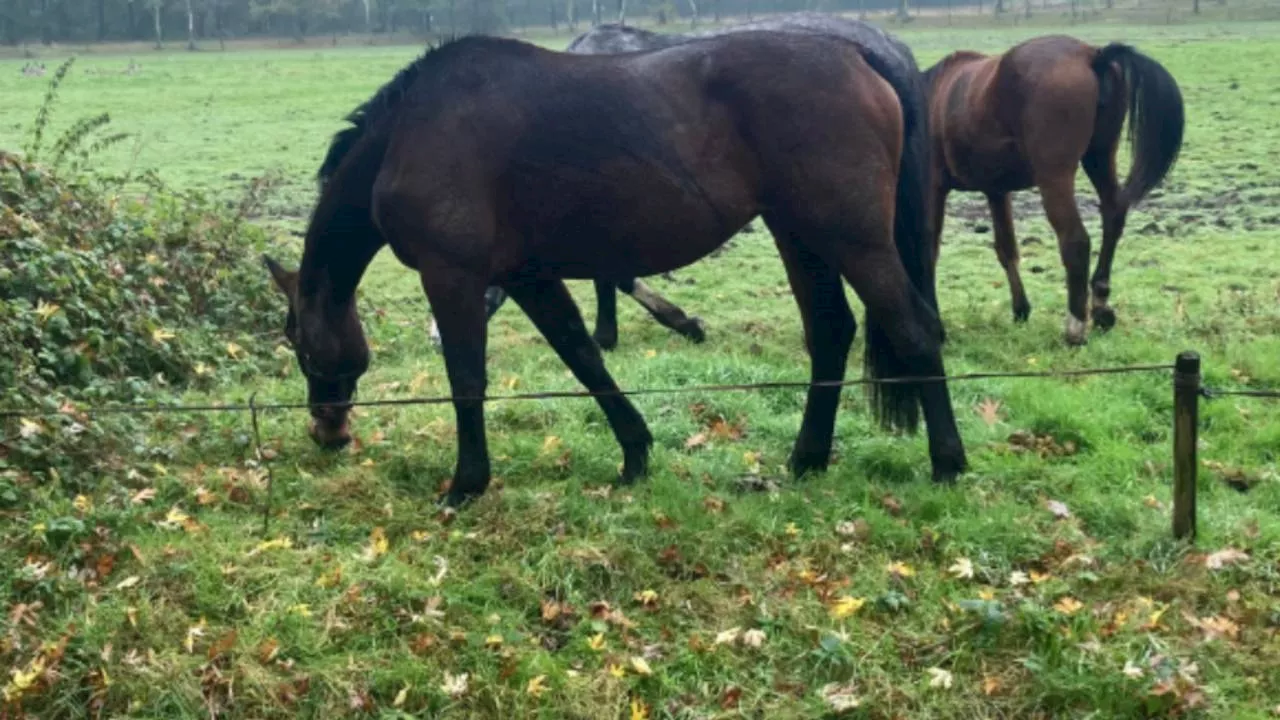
[1186,418]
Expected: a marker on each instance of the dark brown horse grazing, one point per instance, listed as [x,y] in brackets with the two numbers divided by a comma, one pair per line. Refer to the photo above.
[1030,117]
[609,39]
[493,162]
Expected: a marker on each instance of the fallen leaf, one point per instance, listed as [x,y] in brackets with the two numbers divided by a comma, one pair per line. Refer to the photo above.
[962,568]
[727,637]
[695,440]
[990,685]
[596,642]
[267,545]
[1038,577]
[846,528]
[639,711]
[792,530]
[730,697]
[268,650]
[1131,670]
[846,606]
[160,335]
[455,686]
[940,678]
[82,504]
[1222,558]
[193,632]
[550,443]
[1068,605]
[128,582]
[989,411]
[647,598]
[754,638]
[840,698]
[142,496]
[899,569]
[401,697]
[1151,502]
[1017,577]
[641,666]
[616,670]
[223,644]
[536,686]
[493,641]
[1058,508]
[28,429]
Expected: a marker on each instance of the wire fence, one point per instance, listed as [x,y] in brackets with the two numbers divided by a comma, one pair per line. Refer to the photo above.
[1188,390]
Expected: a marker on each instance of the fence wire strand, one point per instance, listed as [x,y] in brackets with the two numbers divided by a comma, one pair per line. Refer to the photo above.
[1214,393]
[254,408]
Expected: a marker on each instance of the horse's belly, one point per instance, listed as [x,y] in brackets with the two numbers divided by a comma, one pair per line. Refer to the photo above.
[989,170]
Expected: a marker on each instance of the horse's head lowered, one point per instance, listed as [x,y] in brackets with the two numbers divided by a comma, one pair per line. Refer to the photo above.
[331,350]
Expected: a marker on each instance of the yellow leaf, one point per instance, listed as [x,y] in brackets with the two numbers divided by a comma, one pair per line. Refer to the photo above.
[537,686]
[651,354]
[596,642]
[639,711]
[420,535]
[22,680]
[202,370]
[648,598]
[128,582]
[899,569]
[46,310]
[641,666]
[143,495]
[940,678]
[1068,605]
[330,579]
[792,530]
[550,443]
[301,609]
[962,568]
[378,542]
[616,670]
[401,696]
[990,685]
[846,606]
[234,350]
[1037,578]
[82,504]
[161,335]
[193,632]
[493,641]
[29,428]
[987,594]
[277,544]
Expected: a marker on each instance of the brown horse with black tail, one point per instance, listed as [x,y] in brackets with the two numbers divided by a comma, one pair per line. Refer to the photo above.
[1030,117]
[491,162]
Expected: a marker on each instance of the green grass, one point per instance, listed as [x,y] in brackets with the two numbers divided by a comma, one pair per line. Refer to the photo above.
[332,626]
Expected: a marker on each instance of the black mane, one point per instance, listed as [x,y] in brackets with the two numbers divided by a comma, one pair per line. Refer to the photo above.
[384,102]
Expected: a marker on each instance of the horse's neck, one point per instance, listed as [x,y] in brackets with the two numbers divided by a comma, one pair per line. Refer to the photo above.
[340,244]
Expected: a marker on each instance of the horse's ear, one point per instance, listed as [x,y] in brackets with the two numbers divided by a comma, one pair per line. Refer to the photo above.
[286,280]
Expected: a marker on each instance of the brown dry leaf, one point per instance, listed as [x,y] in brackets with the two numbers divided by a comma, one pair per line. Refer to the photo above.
[142,496]
[990,685]
[722,430]
[223,644]
[989,411]
[695,440]
[729,698]
[268,649]
[840,698]
[1068,605]
[892,505]
[713,504]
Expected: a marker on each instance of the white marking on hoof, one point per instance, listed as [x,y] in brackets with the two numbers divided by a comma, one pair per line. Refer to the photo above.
[1075,330]
[434,333]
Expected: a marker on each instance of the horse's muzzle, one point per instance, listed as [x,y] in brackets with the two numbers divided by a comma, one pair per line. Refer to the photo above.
[329,429]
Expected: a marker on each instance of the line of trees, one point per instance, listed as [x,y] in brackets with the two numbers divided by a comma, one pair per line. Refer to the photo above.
[194,21]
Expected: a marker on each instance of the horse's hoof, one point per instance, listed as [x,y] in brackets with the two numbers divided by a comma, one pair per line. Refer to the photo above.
[947,469]
[695,330]
[1075,332]
[807,462]
[1104,318]
[1021,312]
[606,341]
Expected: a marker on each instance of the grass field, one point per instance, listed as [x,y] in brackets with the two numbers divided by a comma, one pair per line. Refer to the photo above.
[1045,584]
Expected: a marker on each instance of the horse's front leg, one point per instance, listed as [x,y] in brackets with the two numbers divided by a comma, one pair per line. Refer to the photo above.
[458,303]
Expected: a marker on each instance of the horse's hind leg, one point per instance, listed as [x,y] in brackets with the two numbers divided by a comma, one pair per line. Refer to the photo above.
[551,308]
[606,332]
[664,311]
[1007,251]
[829,329]
[1057,193]
[494,297]
[1100,165]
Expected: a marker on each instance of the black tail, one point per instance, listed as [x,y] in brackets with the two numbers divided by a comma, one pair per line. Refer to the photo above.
[897,405]
[1156,116]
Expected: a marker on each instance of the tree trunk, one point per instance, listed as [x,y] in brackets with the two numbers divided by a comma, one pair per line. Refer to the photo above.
[191,27]
[453,17]
[693,18]
[1029,7]
[622,12]
[999,7]
[595,13]
[102,20]
[133,21]
[903,15]
[155,15]
[551,11]
[368,18]
[1195,6]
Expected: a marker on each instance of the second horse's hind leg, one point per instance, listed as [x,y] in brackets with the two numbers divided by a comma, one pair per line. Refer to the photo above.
[664,311]
[1100,166]
[1057,193]
[1007,251]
